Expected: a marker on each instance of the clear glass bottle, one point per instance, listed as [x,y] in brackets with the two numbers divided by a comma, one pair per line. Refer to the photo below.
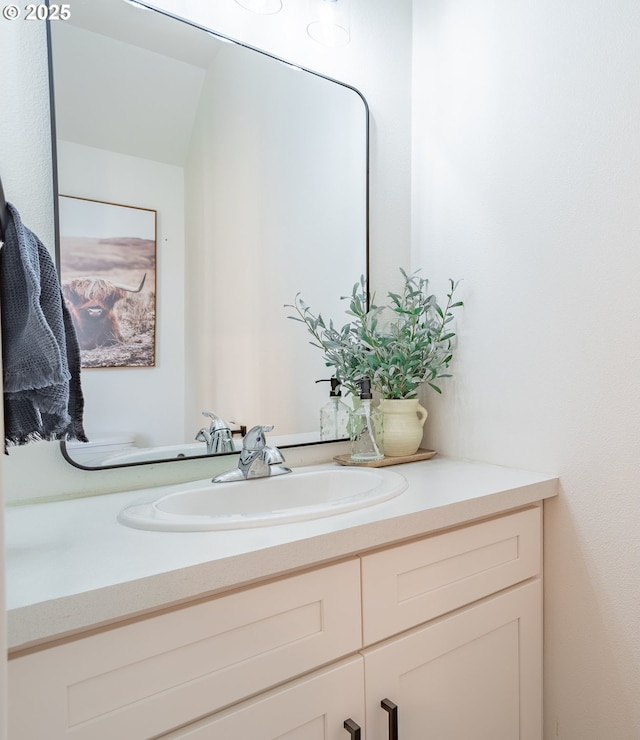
[366,428]
[334,415]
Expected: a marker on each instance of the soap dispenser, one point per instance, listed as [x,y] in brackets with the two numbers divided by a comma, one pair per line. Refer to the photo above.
[366,428]
[334,415]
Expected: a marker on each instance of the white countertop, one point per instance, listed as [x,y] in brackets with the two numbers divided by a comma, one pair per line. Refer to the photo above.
[71,566]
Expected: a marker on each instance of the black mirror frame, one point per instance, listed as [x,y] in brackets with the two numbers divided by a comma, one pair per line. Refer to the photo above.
[56,210]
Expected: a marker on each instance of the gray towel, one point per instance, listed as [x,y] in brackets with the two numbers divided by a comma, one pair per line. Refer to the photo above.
[40,353]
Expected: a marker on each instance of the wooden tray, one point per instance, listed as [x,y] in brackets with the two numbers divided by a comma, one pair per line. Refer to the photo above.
[419,455]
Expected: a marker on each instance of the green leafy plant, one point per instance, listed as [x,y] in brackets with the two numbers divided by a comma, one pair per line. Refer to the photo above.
[397,346]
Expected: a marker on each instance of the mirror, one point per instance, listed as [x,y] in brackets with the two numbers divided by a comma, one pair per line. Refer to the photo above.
[257,172]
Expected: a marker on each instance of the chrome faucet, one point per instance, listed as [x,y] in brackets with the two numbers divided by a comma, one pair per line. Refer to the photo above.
[257,459]
[218,437]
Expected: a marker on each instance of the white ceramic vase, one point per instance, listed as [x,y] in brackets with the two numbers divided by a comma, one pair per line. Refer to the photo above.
[403,420]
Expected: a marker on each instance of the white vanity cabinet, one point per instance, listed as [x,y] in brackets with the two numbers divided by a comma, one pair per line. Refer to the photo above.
[447,627]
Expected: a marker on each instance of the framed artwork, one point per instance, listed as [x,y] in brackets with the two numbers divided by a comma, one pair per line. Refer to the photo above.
[108,277]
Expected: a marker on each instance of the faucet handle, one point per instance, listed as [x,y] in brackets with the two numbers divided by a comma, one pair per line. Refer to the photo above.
[217,424]
[255,438]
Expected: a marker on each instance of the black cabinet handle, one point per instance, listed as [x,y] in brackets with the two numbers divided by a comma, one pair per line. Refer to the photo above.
[392,709]
[352,728]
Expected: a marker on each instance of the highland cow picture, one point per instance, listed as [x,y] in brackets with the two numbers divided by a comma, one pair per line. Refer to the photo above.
[108,277]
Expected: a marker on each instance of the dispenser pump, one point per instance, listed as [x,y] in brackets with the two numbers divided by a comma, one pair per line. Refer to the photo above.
[335,386]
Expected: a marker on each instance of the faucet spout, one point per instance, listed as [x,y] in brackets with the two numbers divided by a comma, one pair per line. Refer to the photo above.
[204,436]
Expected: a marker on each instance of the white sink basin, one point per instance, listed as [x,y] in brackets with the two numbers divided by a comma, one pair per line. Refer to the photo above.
[306,493]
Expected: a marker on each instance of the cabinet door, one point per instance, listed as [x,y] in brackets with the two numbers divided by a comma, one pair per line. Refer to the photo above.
[311,708]
[473,675]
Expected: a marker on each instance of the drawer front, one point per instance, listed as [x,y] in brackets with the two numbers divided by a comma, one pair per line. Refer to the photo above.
[410,584]
[145,678]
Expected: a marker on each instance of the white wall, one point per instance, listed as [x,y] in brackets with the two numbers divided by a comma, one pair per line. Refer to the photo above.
[526,183]
[115,401]
[25,143]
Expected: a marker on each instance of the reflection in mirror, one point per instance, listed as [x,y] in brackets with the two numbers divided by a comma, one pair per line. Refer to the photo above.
[258,172]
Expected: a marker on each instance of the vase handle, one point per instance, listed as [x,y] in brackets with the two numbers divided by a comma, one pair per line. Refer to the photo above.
[422,414]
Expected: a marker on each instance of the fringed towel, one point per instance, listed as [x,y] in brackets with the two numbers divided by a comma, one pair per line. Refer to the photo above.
[40,354]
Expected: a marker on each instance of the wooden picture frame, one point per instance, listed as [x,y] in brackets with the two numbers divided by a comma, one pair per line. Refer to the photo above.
[108,277]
